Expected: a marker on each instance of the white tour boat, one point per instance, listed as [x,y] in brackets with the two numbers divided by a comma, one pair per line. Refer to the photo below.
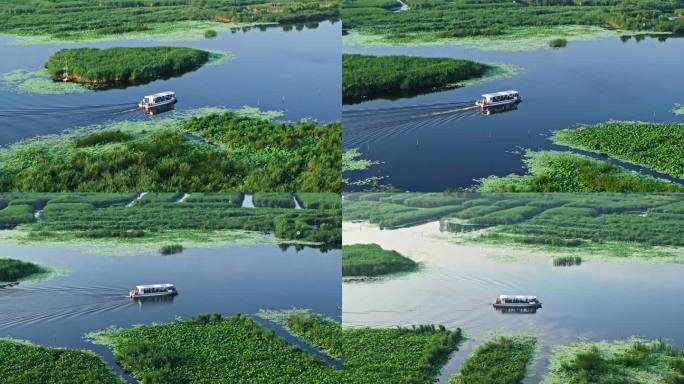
[489,100]
[509,301]
[153,290]
[158,100]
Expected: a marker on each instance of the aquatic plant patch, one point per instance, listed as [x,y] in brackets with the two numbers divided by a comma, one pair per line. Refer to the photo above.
[501,360]
[606,225]
[678,109]
[211,348]
[444,22]
[38,82]
[658,146]
[24,363]
[367,77]
[375,355]
[12,270]
[123,65]
[631,361]
[78,20]
[206,150]
[555,171]
[371,260]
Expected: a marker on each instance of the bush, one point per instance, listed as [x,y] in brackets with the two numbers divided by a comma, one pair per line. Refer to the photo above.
[558,43]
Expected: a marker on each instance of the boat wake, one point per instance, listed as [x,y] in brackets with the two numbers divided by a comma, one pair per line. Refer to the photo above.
[23,306]
[369,125]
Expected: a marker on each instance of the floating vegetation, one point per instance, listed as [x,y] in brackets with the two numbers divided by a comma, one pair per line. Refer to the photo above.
[12,270]
[558,43]
[567,261]
[516,39]
[371,260]
[26,363]
[555,171]
[38,82]
[210,34]
[375,355]
[235,348]
[632,361]
[606,225]
[678,109]
[171,249]
[658,146]
[202,150]
[351,161]
[500,360]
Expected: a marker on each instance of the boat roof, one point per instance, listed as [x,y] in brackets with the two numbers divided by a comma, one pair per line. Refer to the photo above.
[168,93]
[517,296]
[502,93]
[154,286]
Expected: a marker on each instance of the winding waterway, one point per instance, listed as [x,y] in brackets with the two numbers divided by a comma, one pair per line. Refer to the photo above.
[91,292]
[457,284]
[296,70]
[587,82]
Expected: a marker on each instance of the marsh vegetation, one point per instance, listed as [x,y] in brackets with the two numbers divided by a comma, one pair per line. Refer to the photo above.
[371,260]
[502,360]
[555,171]
[25,363]
[631,361]
[429,21]
[122,65]
[236,152]
[82,19]
[70,217]
[12,270]
[368,77]
[658,146]
[613,223]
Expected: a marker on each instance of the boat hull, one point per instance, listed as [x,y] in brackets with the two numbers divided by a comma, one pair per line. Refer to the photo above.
[150,295]
[508,306]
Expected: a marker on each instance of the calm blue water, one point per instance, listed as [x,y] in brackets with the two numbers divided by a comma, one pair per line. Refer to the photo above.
[587,82]
[227,279]
[298,72]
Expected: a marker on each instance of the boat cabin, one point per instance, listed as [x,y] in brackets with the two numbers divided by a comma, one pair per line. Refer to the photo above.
[153,290]
[498,98]
[158,100]
[516,301]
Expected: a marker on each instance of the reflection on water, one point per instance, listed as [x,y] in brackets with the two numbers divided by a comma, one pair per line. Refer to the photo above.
[519,310]
[596,300]
[92,295]
[587,82]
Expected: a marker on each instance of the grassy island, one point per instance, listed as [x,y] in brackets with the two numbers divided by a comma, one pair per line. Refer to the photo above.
[376,355]
[554,171]
[371,260]
[87,20]
[210,348]
[503,360]
[528,24]
[216,150]
[598,225]
[14,270]
[25,363]
[631,361]
[368,77]
[122,66]
[658,146]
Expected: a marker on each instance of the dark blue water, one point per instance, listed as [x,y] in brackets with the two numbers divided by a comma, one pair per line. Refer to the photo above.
[298,72]
[587,82]
[227,279]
